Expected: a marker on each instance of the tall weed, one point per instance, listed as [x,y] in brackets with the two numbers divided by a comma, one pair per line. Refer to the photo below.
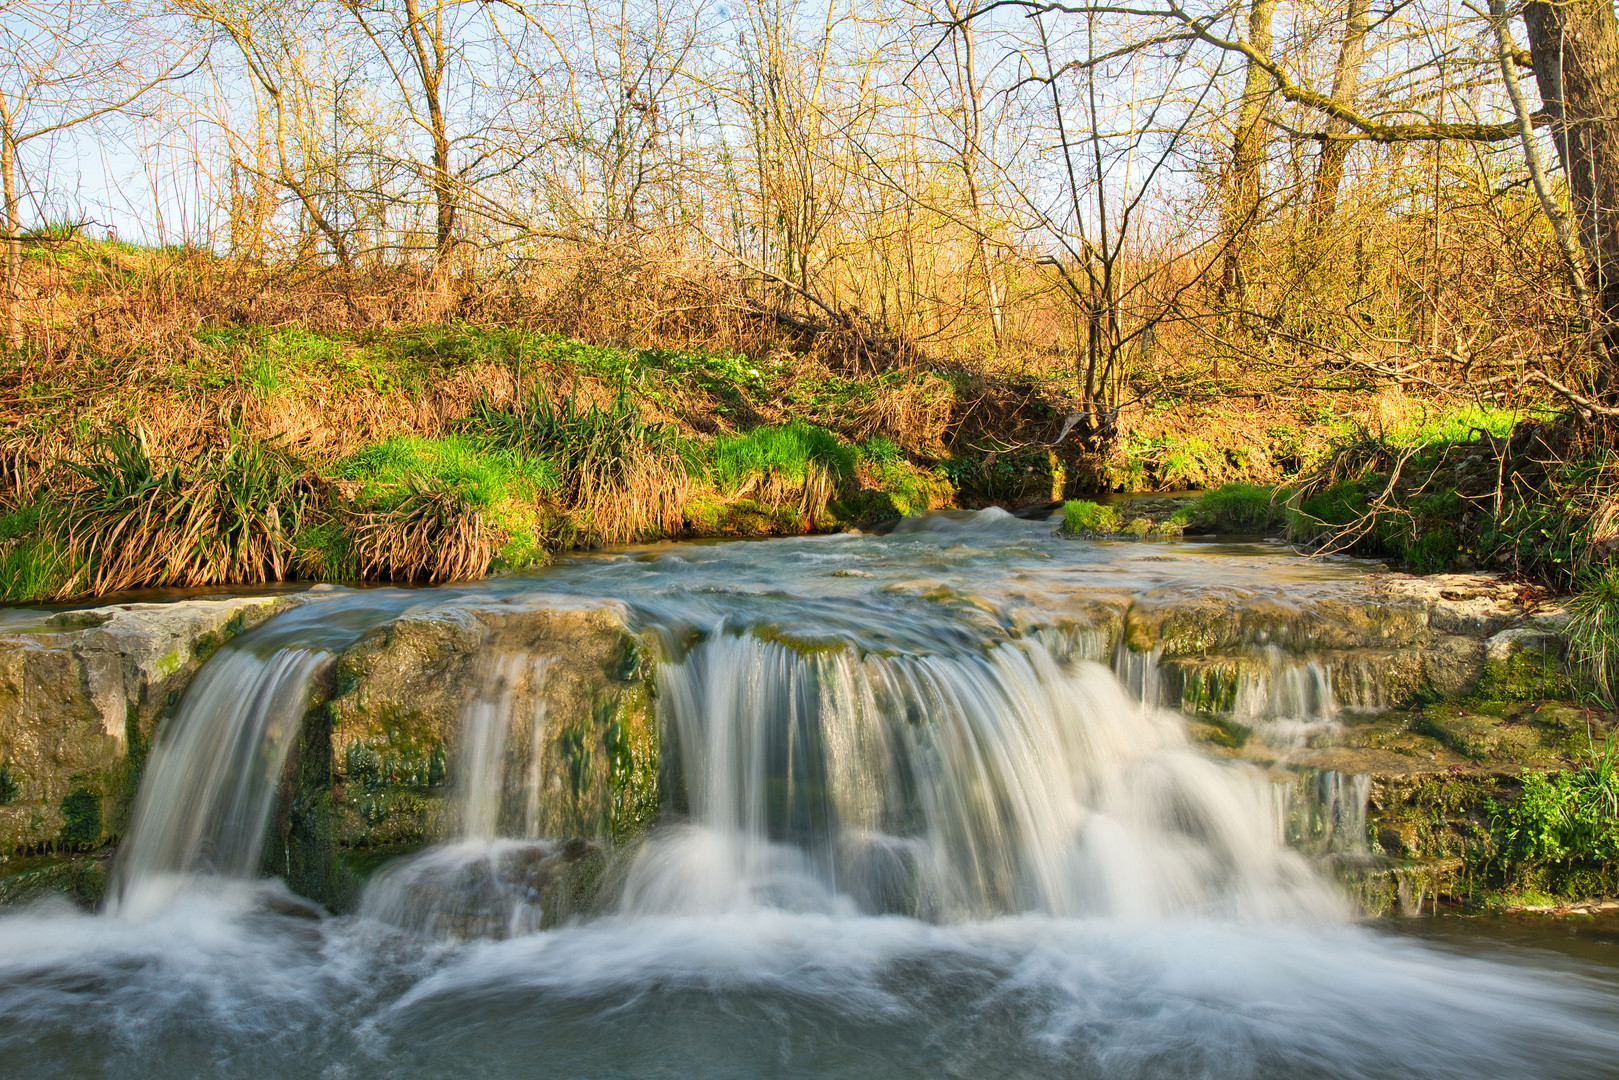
[625,479]
[1593,633]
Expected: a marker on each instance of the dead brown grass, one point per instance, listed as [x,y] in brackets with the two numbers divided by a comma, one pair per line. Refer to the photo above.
[431,536]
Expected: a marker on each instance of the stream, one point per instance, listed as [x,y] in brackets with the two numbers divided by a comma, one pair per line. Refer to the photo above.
[921,830]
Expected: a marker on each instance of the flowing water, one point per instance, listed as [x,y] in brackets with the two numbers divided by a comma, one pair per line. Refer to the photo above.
[918,836]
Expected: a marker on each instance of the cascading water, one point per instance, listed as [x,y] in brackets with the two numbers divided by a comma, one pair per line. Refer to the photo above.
[951,786]
[480,883]
[901,839]
[1287,702]
[212,778]
[1324,812]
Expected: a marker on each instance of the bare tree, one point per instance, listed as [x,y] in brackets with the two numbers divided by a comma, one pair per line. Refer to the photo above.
[65,64]
[1329,172]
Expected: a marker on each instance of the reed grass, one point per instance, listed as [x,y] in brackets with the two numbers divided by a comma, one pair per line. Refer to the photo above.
[432,534]
[1593,633]
[226,515]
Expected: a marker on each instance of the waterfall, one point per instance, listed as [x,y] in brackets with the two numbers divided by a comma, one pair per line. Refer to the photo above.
[1324,812]
[212,776]
[950,786]
[479,883]
[1286,702]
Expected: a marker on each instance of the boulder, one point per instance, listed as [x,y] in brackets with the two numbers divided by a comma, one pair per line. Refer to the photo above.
[544,704]
[81,693]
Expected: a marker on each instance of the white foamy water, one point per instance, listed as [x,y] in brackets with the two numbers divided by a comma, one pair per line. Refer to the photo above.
[207,792]
[221,984]
[923,845]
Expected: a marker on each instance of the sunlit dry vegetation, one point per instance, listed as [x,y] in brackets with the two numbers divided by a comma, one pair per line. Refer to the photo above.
[420,289]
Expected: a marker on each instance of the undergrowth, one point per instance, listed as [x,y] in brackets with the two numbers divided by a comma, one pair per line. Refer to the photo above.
[466,428]
[1561,834]
[1593,632]
[1527,497]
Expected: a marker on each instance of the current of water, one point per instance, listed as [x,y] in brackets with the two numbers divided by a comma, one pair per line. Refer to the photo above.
[927,839]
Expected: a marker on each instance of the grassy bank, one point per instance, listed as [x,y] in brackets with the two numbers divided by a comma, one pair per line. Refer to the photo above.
[251,453]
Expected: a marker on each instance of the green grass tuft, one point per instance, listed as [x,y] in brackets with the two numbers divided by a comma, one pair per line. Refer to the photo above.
[33,564]
[486,473]
[788,451]
[1242,508]
[224,515]
[1593,633]
[413,476]
[1080,517]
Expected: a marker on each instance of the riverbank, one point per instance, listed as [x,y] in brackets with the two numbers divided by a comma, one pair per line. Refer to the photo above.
[242,454]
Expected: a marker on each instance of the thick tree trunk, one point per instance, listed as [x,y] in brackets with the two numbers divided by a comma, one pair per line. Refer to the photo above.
[1574,47]
[1329,169]
[1247,160]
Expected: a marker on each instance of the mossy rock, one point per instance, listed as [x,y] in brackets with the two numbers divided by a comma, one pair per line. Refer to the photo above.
[380,762]
[1526,736]
[80,878]
[82,694]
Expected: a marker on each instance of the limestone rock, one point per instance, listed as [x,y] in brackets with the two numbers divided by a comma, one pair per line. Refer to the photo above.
[556,686]
[80,696]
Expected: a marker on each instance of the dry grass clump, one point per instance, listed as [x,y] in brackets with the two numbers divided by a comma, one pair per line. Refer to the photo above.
[227,515]
[431,535]
[804,492]
[622,478]
[917,413]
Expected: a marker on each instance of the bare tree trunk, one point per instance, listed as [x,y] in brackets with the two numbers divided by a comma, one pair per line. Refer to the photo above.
[972,135]
[431,60]
[1574,47]
[8,179]
[1247,159]
[1329,169]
